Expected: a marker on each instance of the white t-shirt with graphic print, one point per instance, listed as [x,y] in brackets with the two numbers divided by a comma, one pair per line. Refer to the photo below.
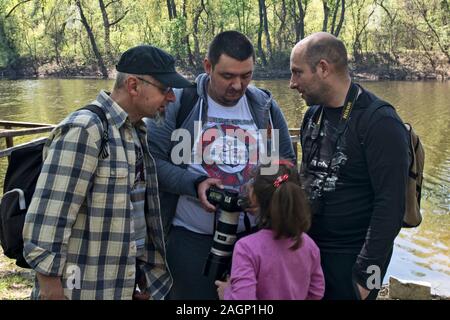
[229,144]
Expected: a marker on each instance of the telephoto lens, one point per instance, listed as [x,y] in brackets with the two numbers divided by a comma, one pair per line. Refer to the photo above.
[219,258]
[230,205]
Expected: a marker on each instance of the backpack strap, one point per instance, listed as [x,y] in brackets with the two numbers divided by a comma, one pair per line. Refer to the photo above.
[105,136]
[188,99]
[362,125]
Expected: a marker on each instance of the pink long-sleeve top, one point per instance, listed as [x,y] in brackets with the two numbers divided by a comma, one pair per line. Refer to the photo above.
[266,269]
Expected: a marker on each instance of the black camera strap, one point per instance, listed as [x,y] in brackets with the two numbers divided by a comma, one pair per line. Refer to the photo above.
[248,225]
[347,108]
[350,99]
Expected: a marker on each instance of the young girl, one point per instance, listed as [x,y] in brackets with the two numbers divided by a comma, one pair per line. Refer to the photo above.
[280,261]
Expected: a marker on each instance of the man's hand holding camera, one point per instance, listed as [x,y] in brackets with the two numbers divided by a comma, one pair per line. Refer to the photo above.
[201,191]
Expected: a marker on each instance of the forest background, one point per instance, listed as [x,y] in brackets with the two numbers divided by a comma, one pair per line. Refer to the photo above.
[386,39]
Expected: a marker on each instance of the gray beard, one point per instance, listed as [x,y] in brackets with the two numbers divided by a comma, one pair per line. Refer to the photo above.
[159,119]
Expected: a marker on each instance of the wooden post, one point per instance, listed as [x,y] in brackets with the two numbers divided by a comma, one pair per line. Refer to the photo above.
[27,128]
[294,145]
[9,140]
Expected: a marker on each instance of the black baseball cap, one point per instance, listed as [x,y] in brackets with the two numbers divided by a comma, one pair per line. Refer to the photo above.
[149,60]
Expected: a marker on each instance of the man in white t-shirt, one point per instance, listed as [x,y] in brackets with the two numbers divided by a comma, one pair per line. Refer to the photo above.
[231,126]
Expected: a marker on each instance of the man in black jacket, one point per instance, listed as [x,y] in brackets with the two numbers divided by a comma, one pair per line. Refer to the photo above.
[355,182]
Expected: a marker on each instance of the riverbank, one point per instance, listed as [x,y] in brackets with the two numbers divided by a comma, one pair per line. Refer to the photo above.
[371,67]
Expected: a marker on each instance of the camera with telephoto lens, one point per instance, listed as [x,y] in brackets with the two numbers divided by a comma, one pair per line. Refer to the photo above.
[227,199]
[230,204]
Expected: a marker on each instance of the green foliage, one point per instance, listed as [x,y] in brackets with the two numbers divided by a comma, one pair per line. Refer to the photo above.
[50,32]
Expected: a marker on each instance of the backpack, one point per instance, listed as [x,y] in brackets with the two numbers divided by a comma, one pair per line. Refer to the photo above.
[188,99]
[412,217]
[24,168]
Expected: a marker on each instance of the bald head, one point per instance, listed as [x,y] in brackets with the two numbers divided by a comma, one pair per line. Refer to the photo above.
[322,45]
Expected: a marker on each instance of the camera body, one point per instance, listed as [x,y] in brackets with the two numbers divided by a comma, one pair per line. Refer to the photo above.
[227,200]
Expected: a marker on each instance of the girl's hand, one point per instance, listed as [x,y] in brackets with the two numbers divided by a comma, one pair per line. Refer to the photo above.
[221,285]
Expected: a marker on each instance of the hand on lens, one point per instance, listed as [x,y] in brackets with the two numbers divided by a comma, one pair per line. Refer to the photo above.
[221,285]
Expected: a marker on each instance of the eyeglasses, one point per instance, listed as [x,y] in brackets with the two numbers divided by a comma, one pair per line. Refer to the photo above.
[164,90]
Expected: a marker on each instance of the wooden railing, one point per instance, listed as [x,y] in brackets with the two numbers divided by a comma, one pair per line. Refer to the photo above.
[27,128]
[11,129]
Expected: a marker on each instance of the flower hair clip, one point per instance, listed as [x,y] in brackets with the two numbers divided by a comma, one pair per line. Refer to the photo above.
[280,180]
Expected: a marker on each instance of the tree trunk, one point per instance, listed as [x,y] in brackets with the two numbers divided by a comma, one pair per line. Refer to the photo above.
[293,10]
[57,38]
[8,46]
[171,7]
[445,7]
[106,28]
[326,13]
[335,11]
[444,50]
[341,19]
[281,30]
[197,57]
[97,54]
[263,12]
[260,31]
[186,38]
[302,12]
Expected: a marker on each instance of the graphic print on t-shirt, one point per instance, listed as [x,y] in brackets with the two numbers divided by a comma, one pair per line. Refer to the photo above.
[228,145]
[323,156]
[230,150]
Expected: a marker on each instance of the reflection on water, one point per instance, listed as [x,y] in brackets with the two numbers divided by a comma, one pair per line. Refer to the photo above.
[421,253]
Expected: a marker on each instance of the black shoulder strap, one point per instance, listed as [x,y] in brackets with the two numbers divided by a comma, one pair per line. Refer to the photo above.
[311,112]
[363,124]
[105,137]
[188,99]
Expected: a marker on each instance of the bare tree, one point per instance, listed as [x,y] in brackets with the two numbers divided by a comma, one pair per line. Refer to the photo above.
[172,9]
[197,13]
[423,8]
[15,7]
[360,21]
[338,28]
[326,13]
[186,38]
[88,28]
[299,17]
[281,33]
[333,6]
[107,25]
[391,16]
[263,27]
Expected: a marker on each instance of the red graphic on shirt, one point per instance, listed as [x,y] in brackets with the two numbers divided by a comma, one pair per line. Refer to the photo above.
[229,153]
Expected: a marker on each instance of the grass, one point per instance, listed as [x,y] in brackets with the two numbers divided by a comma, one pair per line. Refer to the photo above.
[15,282]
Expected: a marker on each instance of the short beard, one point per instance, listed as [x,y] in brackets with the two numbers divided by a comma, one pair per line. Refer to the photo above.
[159,118]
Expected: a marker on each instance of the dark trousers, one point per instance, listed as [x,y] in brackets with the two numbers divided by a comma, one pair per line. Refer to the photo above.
[339,283]
[187,253]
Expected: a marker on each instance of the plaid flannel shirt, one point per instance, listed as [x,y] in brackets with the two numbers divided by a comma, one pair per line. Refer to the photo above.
[79,220]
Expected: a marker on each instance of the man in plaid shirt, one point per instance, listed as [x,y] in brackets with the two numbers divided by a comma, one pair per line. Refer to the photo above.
[93,229]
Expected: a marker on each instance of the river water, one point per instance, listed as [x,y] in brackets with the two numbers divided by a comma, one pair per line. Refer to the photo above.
[420,254]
